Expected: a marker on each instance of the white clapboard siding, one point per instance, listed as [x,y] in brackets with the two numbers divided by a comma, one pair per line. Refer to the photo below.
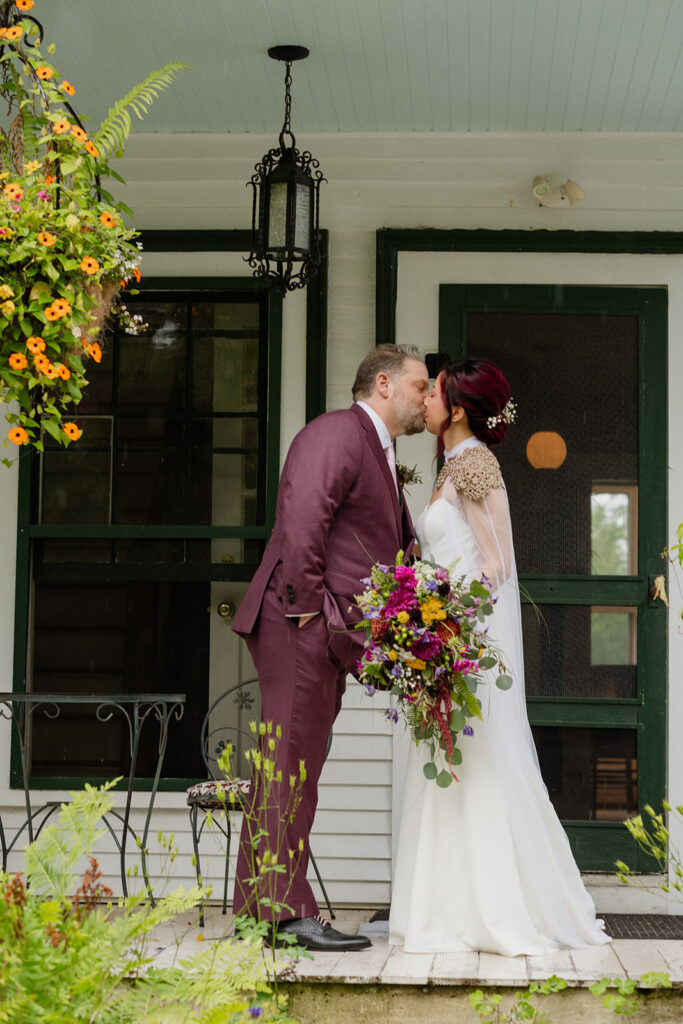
[633,182]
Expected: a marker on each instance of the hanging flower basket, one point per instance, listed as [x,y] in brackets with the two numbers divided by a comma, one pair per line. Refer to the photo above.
[65,250]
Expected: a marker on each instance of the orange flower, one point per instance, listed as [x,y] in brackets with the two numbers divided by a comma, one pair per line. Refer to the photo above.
[24,5]
[71,431]
[59,127]
[67,87]
[16,32]
[13,190]
[50,370]
[78,133]
[108,220]
[95,351]
[18,435]
[51,314]
[49,178]
[45,238]
[3,32]
[61,306]
[89,265]
[40,363]
[35,345]
[138,275]
[44,72]
[93,150]
[63,371]
[18,361]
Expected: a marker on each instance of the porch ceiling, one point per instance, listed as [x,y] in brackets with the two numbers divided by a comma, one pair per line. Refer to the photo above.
[382,65]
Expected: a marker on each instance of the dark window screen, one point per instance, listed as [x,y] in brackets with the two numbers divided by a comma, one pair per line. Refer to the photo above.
[576,375]
[579,651]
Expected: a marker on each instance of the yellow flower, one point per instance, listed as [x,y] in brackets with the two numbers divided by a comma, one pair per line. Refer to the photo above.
[416,663]
[403,617]
[392,655]
[32,166]
[6,292]
[432,611]
[8,307]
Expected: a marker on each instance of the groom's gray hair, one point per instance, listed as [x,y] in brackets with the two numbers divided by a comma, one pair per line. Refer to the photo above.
[389,359]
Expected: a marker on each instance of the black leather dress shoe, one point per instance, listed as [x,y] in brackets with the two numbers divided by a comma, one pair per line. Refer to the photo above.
[315,933]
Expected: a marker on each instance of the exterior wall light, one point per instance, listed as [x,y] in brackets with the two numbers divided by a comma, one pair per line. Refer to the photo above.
[285,211]
[546,450]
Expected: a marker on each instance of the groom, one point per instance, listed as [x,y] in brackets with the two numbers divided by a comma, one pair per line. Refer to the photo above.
[339,509]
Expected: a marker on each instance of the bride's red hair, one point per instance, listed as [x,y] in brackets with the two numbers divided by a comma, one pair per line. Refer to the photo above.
[481,389]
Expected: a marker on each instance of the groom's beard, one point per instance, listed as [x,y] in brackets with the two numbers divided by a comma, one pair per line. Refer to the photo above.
[411,419]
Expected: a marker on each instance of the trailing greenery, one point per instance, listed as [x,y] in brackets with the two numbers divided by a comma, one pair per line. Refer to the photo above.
[112,134]
[69,955]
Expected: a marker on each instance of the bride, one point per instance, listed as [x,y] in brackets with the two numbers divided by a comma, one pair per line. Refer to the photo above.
[485,864]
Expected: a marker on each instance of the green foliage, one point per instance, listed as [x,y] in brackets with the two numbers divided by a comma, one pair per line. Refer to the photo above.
[67,957]
[65,250]
[621,995]
[526,1007]
[117,125]
[652,836]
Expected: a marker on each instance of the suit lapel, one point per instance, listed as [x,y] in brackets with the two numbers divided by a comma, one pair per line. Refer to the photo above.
[377,450]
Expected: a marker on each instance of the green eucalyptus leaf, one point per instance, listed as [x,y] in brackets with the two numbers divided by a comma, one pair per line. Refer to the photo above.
[444,779]
[504,682]
[430,770]
[487,662]
[456,720]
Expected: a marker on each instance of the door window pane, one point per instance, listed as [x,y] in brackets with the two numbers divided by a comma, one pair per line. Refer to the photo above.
[614,530]
[109,638]
[575,375]
[580,651]
[591,774]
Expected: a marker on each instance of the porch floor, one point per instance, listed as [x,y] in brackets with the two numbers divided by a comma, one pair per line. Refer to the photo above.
[388,965]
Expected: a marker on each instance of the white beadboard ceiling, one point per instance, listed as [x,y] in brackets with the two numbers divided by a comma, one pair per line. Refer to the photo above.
[382,65]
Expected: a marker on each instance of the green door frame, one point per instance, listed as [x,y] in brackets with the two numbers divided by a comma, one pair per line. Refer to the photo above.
[598,844]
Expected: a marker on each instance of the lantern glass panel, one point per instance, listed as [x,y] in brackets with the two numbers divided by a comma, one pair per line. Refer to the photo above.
[277,216]
[302,228]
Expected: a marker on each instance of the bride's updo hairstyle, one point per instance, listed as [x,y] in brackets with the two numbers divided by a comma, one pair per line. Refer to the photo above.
[482,390]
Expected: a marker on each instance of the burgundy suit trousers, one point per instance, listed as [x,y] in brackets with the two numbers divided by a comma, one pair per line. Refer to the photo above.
[302,685]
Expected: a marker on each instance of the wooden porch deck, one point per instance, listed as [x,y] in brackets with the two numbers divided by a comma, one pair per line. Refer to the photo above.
[388,965]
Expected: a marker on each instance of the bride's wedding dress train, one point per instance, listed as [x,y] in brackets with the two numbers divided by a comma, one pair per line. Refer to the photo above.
[485,864]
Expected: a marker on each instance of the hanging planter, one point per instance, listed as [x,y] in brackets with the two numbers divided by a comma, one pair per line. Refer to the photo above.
[65,249]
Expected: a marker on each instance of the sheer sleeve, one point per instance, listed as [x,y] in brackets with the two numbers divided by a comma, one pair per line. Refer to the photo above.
[489,520]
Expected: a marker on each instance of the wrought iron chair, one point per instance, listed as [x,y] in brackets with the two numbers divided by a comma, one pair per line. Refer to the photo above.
[226,722]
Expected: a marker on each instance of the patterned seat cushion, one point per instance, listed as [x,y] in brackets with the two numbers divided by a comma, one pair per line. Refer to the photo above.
[206,794]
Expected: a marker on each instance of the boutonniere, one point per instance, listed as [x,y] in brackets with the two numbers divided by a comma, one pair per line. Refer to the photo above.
[407,476]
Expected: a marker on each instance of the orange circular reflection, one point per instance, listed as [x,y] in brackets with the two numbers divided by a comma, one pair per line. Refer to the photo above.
[546,450]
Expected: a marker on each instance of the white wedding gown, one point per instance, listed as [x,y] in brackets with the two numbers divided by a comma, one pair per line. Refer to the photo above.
[485,864]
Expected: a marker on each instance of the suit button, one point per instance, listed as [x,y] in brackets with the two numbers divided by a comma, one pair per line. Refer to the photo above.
[290,593]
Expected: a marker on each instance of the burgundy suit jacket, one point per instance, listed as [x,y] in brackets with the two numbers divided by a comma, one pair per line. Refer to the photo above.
[337,513]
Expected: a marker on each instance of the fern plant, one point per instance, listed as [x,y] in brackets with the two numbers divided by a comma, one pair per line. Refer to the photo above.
[67,956]
[111,136]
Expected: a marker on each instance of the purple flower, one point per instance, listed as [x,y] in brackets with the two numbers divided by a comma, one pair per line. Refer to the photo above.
[255,1011]
[391,714]
[399,601]
[428,647]
[468,731]
[439,671]
[397,671]
[431,586]
[369,689]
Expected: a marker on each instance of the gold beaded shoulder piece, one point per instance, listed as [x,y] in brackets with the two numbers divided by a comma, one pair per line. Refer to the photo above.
[473,474]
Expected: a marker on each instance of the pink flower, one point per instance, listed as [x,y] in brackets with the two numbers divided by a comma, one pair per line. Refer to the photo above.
[43,194]
[427,648]
[405,575]
[400,601]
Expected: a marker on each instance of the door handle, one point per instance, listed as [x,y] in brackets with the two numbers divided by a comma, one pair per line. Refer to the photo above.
[657,589]
[226,610]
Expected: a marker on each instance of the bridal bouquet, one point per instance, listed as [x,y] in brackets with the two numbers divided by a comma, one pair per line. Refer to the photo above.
[427,643]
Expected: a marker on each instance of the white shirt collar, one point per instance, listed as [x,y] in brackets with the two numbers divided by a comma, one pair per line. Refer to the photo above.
[469,442]
[378,423]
